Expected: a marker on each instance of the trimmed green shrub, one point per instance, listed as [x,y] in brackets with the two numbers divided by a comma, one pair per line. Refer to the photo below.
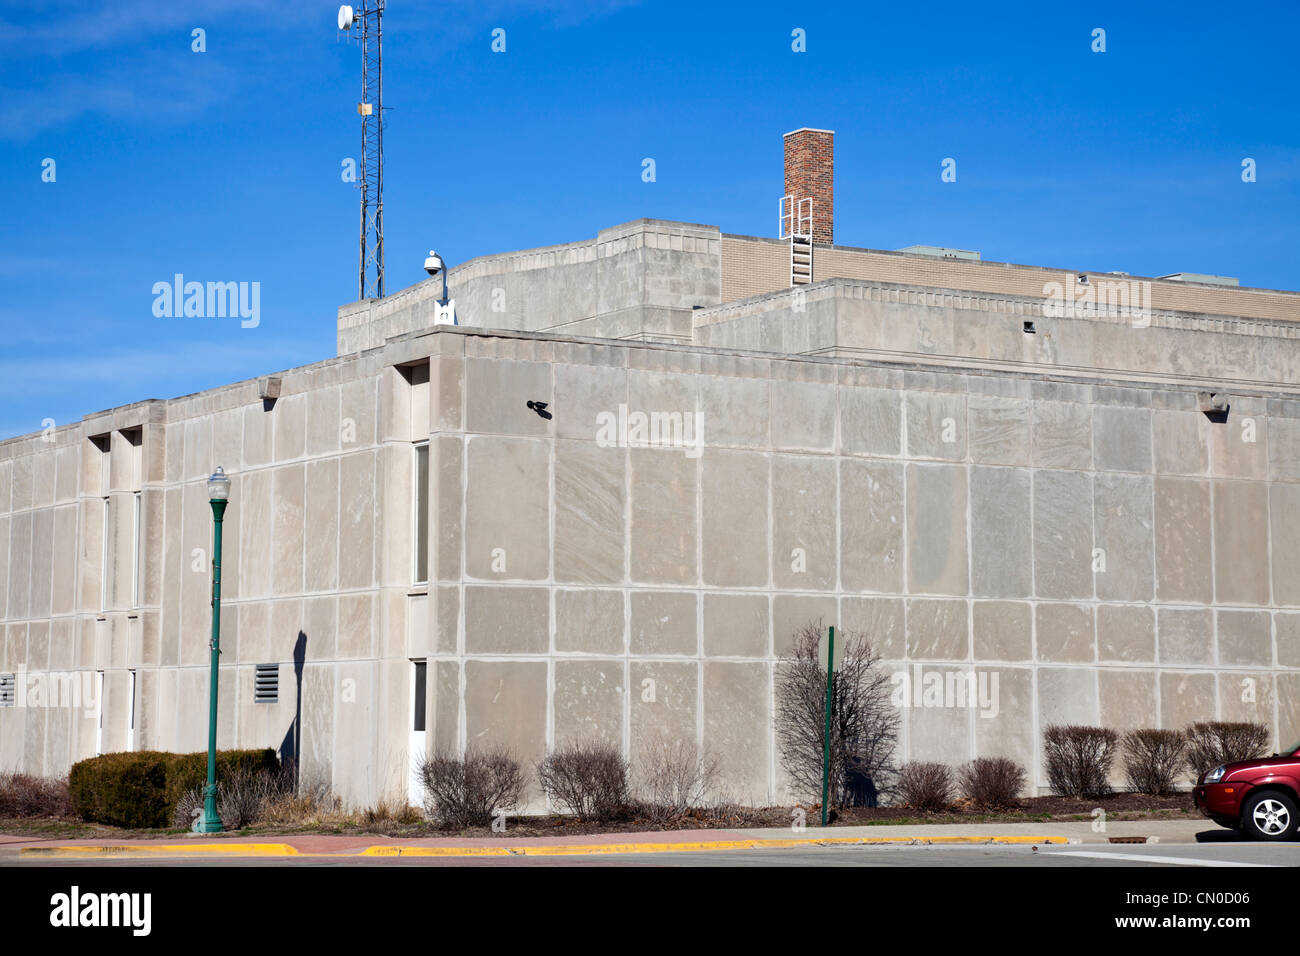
[141,789]
[123,790]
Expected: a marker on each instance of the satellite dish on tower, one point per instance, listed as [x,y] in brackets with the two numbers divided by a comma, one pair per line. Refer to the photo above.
[347,17]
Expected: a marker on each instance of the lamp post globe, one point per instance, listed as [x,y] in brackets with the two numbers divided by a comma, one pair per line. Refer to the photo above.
[218,485]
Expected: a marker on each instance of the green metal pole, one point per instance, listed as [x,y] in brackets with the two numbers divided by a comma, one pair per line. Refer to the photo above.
[211,820]
[826,743]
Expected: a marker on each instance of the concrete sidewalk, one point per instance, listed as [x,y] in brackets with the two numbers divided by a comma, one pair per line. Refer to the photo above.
[363,845]
[1161,831]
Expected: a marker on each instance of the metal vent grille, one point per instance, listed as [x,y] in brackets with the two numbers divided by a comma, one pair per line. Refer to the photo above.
[266,684]
[7,685]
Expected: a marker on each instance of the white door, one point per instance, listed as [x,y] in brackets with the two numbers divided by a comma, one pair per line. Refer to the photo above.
[419,685]
[99,713]
[130,720]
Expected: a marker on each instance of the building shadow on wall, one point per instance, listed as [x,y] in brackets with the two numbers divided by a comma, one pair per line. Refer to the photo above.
[291,746]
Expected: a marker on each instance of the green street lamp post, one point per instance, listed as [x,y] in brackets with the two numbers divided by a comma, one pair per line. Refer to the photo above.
[218,496]
[826,740]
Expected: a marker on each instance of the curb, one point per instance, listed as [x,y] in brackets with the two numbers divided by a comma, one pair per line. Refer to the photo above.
[601,848]
[220,849]
[578,849]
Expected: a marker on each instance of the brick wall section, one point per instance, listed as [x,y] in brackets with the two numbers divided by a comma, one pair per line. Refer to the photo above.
[810,173]
[753,266]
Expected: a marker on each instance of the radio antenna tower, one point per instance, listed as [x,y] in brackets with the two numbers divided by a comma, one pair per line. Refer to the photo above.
[369,19]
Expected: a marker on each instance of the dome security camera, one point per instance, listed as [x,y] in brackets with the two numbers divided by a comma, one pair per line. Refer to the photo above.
[435,266]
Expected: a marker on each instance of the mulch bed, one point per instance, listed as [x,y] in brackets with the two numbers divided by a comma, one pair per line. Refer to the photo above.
[1118,806]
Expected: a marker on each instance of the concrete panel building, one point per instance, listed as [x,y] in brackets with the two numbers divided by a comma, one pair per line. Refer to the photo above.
[603,502]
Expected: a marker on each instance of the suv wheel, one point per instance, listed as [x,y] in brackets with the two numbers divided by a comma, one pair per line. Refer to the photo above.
[1269,816]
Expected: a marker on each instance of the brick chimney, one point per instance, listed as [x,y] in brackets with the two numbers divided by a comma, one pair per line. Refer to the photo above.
[810,173]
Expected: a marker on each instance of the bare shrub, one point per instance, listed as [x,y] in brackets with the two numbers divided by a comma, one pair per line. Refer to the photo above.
[925,786]
[674,778]
[24,795]
[864,721]
[242,798]
[1215,743]
[189,807]
[1079,759]
[467,791]
[992,783]
[1154,759]
[587,778]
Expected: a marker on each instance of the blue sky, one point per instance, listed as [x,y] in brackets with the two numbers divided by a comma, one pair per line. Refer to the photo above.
[225,165]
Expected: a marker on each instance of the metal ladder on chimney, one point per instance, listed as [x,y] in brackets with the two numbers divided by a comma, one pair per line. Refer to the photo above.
[796,218]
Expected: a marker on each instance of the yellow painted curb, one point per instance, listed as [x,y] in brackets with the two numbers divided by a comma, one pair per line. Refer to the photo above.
[577,849]
[392,850]
[168,849]
[703,846]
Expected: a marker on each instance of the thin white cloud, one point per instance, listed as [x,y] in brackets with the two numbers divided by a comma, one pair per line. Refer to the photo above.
[131,375]
[561,14]
[62,27]
[141,82]
[58,29]
[123,92]
[17,267]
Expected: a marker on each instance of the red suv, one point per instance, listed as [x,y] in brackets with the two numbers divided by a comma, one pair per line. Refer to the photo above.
[1261,798]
